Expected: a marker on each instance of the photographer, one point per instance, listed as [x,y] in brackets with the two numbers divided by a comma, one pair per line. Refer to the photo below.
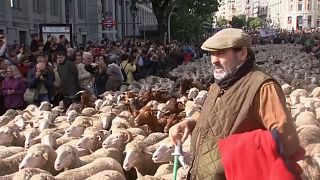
[99,72]
[3,46]
[41,79]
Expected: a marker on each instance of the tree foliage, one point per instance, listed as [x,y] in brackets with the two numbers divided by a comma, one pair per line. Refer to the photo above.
[238,21]
[188,18]
[255,22]
[222,21]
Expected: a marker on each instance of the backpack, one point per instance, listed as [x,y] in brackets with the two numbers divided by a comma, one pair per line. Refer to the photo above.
[124,74]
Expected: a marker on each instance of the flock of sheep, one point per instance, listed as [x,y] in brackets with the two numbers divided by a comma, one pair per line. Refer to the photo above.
[124,134]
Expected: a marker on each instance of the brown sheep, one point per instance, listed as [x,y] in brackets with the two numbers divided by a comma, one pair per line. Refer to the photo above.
[148,117]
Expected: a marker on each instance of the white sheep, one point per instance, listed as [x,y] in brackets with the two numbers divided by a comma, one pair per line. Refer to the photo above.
[5,120]
[28,173]
[287,89]
[39,156]
[308,134]
[315,92]
[9,151]
[296,95]
[191,108]
[45,106]
[11,164]
[107,175]
[71,115]
[201,97]
[68,157]
[90,169]
[193,93]
[8,134]
[42,176]
[154,138]
[118,140]
[137,157]
[164,169]
[92,140]
[306,118]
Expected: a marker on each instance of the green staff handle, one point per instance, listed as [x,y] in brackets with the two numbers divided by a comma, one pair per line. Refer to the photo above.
[176,154]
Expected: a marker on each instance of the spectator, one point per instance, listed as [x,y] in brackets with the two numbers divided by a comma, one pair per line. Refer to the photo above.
[35,44]
[41,78]
[99,71]
[85,78]
[68,75]
[129,67]
[50,46]
[61,46]
[13,89]
[3,46]
[2,76]
[78,58]
[24,66]
[115,77]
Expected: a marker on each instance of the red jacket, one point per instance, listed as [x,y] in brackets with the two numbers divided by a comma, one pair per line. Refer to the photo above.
[254,155]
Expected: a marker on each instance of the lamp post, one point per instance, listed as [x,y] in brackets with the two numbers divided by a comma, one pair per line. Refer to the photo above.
[169,24]
[134,10]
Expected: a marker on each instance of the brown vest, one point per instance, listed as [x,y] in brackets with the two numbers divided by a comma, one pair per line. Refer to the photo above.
[220,118]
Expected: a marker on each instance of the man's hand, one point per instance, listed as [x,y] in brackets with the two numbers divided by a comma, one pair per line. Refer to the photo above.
[180,132]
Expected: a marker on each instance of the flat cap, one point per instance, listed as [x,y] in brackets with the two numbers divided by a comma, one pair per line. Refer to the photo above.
[227,38]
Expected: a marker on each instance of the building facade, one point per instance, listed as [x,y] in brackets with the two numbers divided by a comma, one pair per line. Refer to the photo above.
[300,14]
[20,18]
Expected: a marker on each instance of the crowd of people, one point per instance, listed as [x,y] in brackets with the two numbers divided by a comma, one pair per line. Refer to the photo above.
[54,70]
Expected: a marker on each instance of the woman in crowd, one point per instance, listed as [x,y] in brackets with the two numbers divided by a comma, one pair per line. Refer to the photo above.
[115,78]
[13,88]
[129,67]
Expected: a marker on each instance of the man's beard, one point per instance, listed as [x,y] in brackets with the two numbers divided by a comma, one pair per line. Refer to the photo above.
[221,73]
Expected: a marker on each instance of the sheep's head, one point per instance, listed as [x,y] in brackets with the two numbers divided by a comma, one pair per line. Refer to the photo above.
[75,130]
[134,151]
[88,141]
[66,156]
[163,153]
[117,140]
[45,106]
[7,134]
[107,120]
[146,114]
[37,156]
[72,115]
[30,134]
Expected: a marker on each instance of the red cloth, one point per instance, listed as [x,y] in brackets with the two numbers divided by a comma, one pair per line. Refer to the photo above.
[254,155]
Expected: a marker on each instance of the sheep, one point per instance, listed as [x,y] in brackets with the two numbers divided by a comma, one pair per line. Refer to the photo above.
[315,92]
[5,120]
[106,120]
[164,169]
[48,137]
[118,140]
[147,116]
[88,111]
[171,121]
[137,157]
[154,138]
[42,176]
[108,175]
[191,108]
[71,115]
[28,173]
[296,94]
[193,93]
[40,156]
[11,164]
[287,89]
[308,134]
[93,140]
[78,126]
[11,113]
[45,106]
[90,169]
[114,153]
[306,118]
[10,135]
[9,151]
[202,95]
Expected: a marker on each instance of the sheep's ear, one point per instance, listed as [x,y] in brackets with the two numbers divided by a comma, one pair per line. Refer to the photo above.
[46,156]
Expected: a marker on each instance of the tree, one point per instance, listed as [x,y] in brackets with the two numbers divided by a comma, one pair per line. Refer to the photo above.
[238,21]
[195,9]
[255,22]
[222,21]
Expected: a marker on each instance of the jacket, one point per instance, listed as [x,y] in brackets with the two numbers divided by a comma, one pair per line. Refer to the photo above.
[68,74]
[14,100]
[84,76]
[129,69]
[256,155]
[241,108]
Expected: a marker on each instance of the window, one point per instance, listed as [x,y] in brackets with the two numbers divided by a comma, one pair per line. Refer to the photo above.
[318,7]
[15,4]
[81,9]
[308,7]
[289,20]
[36,6]
[309,21]
[54,7]
[300,7]
[291,8]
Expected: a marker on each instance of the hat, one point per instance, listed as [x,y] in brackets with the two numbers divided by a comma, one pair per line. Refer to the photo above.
[227,38]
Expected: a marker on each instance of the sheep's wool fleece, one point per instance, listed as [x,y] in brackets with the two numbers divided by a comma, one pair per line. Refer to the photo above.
[220,118]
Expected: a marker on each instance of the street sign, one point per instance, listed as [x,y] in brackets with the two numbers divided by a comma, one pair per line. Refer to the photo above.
[109,23]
